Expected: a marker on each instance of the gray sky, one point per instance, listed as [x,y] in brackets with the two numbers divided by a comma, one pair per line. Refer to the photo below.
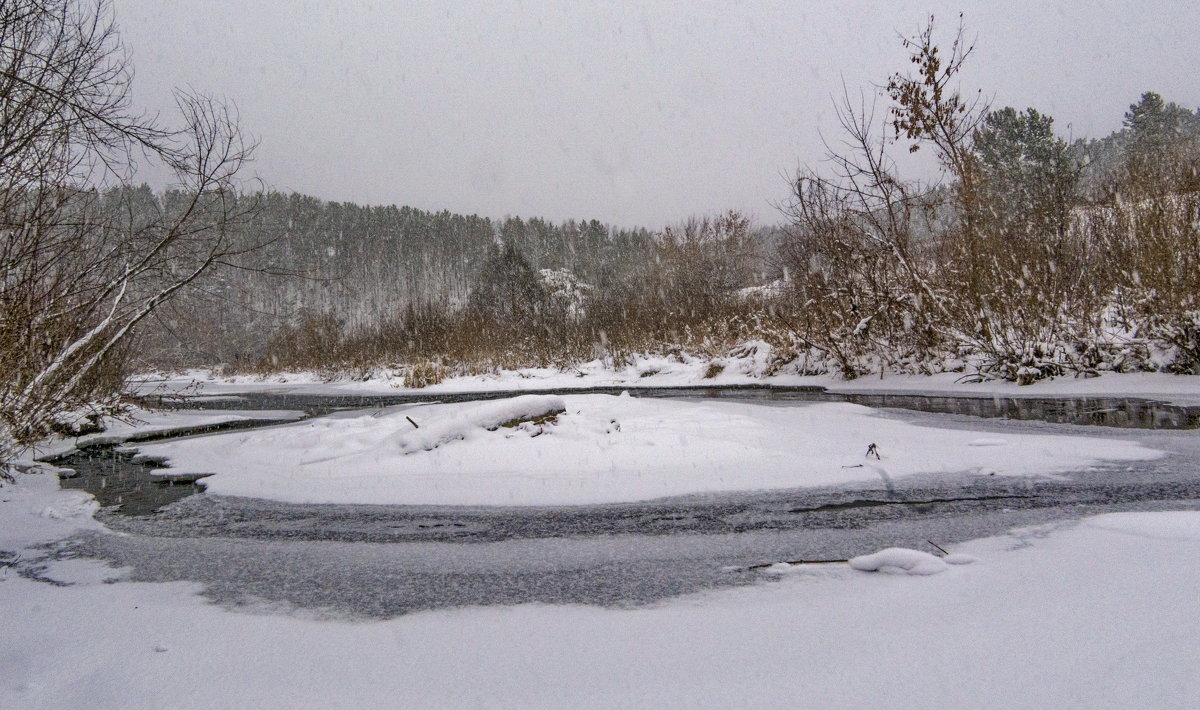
[636,113]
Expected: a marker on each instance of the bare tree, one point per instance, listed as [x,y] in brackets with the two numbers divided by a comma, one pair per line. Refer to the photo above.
[85,257]
[859,251]
[700,264]
[929,109]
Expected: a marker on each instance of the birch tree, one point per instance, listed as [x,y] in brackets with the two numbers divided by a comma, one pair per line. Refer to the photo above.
[85,257]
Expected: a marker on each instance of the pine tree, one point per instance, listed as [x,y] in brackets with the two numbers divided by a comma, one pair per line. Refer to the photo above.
[507,289]
[1028,176]
[1162,146]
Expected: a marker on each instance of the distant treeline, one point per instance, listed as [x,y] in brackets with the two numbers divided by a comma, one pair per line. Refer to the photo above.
[1048,258]
[359,265]
[1033,258]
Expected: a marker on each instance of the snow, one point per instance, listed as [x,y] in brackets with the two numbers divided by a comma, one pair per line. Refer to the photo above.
[1096,614]
[959,558]
[899,559]
[765,292]
[35,511]
[748,364]
[602,449]
[1170,526]
[462,423]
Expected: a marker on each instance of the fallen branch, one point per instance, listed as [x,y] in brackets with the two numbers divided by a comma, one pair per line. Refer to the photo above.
[794,562]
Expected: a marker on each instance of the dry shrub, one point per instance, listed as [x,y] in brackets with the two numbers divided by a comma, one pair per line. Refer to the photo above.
[424,374]
[315,341]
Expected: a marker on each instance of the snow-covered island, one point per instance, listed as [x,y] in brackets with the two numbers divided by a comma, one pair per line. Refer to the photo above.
[596,448]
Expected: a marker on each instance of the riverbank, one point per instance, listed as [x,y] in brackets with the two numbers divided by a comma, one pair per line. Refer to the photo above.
[752,368]
[1092,613]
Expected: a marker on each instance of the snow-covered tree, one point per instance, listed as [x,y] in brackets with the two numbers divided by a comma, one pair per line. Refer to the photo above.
[508,290]
[1028,176]
[83,257]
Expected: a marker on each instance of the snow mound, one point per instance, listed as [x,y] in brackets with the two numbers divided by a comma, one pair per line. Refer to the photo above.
[488,416]
[900,559]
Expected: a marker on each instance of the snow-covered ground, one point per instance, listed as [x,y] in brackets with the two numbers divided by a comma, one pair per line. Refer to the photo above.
[749,365]
[600,448]
[1096,614]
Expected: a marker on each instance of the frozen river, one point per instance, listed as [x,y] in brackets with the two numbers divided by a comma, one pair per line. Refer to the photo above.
[383,561]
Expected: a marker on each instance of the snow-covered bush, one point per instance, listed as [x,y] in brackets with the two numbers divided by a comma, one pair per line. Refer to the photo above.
[424,373]
[566,292]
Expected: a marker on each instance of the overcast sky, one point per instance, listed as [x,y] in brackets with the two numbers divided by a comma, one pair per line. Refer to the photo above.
[635,113]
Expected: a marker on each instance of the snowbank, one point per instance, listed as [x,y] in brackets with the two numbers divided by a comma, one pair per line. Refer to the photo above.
[139,423]
[750,363]
[465,422]
[35,511]
[602,449]
[904,560]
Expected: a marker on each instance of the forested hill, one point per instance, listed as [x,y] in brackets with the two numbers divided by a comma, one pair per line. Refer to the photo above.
[1042,228]
[364,264]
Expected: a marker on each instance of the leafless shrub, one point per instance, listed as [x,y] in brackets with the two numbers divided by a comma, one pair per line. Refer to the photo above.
[859,254]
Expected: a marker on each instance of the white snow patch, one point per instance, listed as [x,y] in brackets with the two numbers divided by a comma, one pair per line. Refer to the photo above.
[34,510]
[71,571]
[766,292]
[1172,525]
[465,421]
[899,559]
